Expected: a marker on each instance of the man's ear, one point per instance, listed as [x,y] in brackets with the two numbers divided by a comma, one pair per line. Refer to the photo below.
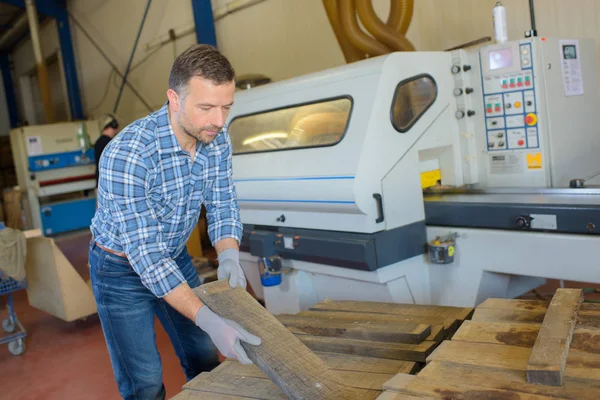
[174,100]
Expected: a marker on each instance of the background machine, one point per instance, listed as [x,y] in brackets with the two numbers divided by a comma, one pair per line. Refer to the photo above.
[345,176]
[55,164]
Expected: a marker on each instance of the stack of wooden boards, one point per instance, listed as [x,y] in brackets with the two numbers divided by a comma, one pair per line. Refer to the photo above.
[358,345]
[514,349]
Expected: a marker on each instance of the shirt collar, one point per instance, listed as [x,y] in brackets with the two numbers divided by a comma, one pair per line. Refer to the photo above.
[167,142]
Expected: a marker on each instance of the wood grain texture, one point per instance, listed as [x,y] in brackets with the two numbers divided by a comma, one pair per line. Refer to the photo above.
[580,365]
[296,370]
[437,323]
[391,395]
[196,395]
[355,379]
[507,379]
[452,316]
[394,351]
[548,358]
[397,332]
[450,389]
[346,362]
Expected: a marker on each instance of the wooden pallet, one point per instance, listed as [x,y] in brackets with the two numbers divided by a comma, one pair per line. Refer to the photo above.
[514,349]
[365,344]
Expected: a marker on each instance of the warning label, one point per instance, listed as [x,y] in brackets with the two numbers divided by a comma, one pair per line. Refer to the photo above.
[507,163]
[534,160]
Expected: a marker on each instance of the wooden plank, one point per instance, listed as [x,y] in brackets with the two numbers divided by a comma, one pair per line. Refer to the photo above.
[437,323]
[579,365]
[584,339]
[548,358]
[450,389]
[359,380]
[195,395]
[508,315]
[391,395]
[394,351]
[530,305]
[451,315]
[364,330]
[346,362]
[298,372]
[507,379]
[254,388]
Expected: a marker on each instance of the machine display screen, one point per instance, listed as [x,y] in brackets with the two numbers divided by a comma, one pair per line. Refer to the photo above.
[569,52]
[500,59]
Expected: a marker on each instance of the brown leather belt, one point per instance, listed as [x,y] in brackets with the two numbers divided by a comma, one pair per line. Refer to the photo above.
[116,253]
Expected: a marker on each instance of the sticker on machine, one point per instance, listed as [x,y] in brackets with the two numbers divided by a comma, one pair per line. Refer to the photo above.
[34,146]
[507,163]
[571,67]
[534,160]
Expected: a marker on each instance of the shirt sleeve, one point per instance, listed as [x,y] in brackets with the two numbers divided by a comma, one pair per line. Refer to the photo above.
[222,209]
[127,179]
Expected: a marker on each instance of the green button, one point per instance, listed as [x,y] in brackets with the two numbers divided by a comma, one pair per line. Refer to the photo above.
[519,79]
[489,106]
[497,104]
[512,80]
[527,78]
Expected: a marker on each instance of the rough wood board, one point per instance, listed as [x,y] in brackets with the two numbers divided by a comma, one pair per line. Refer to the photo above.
[397,332]
[579,365]
[390,395]
[195,395]
[450,389]
[530,305]
[507,379]
[437,323]
[355,379]
[522,334]
[296,370]
[249,386]
[394,351]
[451,315]
[346,362]
[548,358]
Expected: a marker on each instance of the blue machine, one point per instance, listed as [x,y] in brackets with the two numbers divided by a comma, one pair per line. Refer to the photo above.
[55,164]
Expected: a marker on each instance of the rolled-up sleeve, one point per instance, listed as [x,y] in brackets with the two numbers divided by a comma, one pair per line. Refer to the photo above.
[222,209]
[127,179]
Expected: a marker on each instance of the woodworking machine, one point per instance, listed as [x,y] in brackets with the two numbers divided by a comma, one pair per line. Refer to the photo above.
[55,165]
[346,178]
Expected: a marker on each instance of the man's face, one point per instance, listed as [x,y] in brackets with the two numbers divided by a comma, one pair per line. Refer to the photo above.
[203,111]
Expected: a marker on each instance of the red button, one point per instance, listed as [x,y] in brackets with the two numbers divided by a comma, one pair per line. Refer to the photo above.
[489,110]
[527,83]
[528,119]
[520,143]
[519,84]
[512,85]
[497,109]
[504,86]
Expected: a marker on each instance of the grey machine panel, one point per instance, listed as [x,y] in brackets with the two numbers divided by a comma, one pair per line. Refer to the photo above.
[367,252]
[565,213]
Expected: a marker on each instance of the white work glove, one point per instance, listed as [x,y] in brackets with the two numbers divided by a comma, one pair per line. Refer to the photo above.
[226,335]
[229,267]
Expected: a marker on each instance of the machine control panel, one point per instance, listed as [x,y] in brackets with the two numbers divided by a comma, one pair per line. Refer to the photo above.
[509,99]
[61,160]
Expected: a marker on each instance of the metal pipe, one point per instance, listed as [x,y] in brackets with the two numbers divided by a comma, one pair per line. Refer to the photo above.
[350,52]
[356,36]
[18,29]
[131,57]
[532,15]
[109,61]
[42,72]
[379,30]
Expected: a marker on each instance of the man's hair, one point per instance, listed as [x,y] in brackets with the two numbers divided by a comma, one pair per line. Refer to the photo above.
[202,61]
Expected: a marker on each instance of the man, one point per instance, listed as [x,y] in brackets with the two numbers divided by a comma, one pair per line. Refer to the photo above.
[154,177]
[110,127]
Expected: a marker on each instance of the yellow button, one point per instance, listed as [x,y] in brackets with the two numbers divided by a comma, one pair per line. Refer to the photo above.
[518,104]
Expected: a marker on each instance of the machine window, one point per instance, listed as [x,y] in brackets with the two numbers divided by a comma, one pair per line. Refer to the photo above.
[412,98]
[299,126]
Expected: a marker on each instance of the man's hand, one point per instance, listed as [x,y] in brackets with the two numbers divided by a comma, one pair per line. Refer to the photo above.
[226,335]
[229,267]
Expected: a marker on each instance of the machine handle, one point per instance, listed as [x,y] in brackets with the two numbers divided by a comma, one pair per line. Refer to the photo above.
[379,201]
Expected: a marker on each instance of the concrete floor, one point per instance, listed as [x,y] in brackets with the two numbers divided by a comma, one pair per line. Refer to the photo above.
[70,360]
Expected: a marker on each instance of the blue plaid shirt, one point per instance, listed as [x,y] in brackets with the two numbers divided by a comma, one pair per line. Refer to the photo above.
[150,195]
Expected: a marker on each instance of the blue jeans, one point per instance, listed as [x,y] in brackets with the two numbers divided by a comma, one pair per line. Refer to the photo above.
[126,309]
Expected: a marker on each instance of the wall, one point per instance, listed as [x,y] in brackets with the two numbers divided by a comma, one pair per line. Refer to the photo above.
[4,121]
[278,38]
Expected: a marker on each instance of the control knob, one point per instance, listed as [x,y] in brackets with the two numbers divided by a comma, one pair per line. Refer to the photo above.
[470,113]
[524,221]
[469,90]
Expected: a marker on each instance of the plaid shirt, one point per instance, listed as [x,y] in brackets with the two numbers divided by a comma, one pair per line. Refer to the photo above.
[150,195]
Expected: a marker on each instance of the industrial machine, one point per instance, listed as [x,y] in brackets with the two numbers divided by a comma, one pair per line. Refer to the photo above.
[421,177]
[55,164]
